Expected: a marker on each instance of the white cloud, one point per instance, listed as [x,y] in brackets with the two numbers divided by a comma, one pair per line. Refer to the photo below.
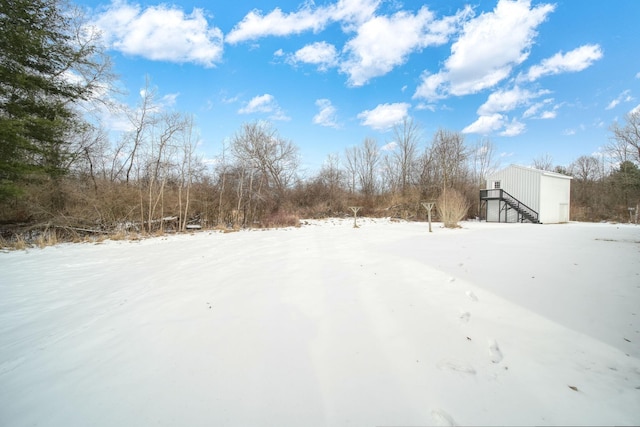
[168,100]
[390,146]
[276,23]
[265,104]
[533,109]
[573,61]
[514,128]
[259,104]
[635,110]
[490,114]
[550,114]
[487,50]
[638,75]
[230,99]
[506,100]
[543,110]
[256,25]
[384,116]
[160,33]
[322,54]
[613,104]
[430,87]
[384,42]
[352,13]
[327,116]
[425,106]
[380,44]
[623,97]
[486,124]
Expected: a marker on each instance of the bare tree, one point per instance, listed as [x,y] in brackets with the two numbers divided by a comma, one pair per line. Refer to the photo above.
[332,177]
[141,119]
[361,164]
[587,176]
[187,169]
[483,161]
[624,144]
[88,153]
[222,167]
[368,158]
[275,158]
[403,165]
[351,166]
[626,137]
[390,175]
[427,179]
[96,76]
[449,156]
[543,162]
[161,154]
[585,169]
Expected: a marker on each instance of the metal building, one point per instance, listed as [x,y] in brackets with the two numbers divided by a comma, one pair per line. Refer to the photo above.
[523,194]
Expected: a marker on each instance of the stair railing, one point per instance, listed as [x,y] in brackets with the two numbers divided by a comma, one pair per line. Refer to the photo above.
[523,209]
[516,204]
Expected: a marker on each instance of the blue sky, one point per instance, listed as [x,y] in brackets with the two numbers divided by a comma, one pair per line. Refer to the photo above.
[535,77]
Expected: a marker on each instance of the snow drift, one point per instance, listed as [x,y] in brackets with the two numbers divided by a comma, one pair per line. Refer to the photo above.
[386,324]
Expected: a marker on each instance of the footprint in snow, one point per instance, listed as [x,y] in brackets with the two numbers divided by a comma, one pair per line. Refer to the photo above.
[452,279]
[464,317]
[472,296]
[441,418]
[454,365]
[494,352]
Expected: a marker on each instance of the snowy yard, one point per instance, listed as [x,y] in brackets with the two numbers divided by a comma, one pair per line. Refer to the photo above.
[327,325]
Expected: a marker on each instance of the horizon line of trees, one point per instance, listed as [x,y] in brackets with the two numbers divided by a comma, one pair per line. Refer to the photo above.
[60,169]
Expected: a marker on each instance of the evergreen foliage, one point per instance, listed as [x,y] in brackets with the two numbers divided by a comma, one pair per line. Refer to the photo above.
[39,85]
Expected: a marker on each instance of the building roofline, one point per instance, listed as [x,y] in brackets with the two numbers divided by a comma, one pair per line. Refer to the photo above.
[539,171]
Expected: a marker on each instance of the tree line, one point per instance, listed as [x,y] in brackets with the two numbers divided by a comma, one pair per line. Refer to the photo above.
[61,170]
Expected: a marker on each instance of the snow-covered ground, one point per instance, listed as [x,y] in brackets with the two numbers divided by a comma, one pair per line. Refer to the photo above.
[386,324]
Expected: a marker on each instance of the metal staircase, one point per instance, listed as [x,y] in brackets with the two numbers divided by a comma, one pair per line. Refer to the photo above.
[525,213]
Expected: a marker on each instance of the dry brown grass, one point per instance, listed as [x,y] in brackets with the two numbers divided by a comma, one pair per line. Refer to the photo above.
[47,238]
[99,238]
[280,220]
[118,235]
[227,228]
[452,207]
[17,243]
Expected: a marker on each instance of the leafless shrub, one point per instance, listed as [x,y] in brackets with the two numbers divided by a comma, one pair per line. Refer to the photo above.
[452,207]
[48,238]
[118,235]
[17,243]
[99,239]
[281,219]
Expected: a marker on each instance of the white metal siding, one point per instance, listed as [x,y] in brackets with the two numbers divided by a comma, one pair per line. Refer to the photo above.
[564,212]
[493,211]
[555,201]
[547,193]
[512,215]
[522,183]
[496,212]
